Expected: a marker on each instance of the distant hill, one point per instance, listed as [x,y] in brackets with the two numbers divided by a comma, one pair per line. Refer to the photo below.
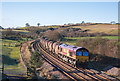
[105,28]
[1,27]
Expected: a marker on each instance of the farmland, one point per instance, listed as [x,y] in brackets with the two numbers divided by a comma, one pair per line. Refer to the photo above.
[15,30]
[73,40]
[106,28]
[10,56]
[13,39]
[107,37]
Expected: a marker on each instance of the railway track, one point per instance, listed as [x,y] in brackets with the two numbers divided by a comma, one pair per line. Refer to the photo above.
[87,71]
[69,70]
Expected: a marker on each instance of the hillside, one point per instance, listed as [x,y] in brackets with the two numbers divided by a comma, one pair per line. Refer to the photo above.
[106,28]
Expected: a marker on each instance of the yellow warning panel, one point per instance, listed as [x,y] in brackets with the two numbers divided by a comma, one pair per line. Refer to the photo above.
[82,58]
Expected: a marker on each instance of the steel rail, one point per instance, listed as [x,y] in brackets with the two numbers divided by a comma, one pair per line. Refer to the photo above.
[87,74]
[84,70]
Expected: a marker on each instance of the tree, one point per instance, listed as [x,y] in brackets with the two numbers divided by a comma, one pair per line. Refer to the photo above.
[38,24]
[83,22]
[27,24]
[53,35]
[112,22]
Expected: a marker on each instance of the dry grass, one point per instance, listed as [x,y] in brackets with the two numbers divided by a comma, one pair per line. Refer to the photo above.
[108,29]
[15,30]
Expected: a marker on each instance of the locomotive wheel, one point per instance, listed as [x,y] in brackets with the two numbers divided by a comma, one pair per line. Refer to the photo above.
[74,63]
[70,61]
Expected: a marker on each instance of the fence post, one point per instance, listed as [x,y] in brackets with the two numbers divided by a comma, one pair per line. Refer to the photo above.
[2,68]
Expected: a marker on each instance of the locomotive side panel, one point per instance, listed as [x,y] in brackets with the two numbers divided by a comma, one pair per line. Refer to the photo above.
[67,52]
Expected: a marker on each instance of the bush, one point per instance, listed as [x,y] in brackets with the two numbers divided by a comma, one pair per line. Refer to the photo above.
[100,46]
[53,35]
[17,45]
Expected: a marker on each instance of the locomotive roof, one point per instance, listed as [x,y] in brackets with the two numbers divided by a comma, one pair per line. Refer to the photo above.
[71,47]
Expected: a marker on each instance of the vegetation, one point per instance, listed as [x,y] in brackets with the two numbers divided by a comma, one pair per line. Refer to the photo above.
[27,24]
[10,55]
[35,62]
[102,51]
[101,45]
[107,37]
[106,28]
[96,38]
[38,24]
[53,35]
[11,42]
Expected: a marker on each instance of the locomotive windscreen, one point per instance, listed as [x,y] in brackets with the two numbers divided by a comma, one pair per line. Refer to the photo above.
[79,53]
[85,53]
[82,52]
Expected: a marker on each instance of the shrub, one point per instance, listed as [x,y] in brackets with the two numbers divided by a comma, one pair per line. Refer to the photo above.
[53,35]
[100,46]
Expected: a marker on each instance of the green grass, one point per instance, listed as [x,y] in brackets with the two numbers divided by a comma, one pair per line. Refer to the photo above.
[9,48]
[10,55]
[5,50]
[15,30]
[111,37]
[73,42]
[12,42]
[69,42]
[14,54]
[107,37]
[21,30]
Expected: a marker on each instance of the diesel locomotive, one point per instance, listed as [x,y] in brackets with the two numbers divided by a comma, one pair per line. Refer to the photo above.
[69,53]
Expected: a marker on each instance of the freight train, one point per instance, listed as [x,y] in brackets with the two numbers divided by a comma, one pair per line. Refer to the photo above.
[69,53]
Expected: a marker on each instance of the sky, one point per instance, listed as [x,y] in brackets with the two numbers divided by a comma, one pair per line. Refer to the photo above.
[17,14]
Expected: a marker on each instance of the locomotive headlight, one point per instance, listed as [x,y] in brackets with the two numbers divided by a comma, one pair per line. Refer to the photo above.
[86,60]
[77,59]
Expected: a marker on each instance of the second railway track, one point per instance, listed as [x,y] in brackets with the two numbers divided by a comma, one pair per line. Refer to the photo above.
[66,68]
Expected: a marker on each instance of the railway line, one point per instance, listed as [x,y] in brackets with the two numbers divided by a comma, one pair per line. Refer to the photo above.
[69,70]
[88,72]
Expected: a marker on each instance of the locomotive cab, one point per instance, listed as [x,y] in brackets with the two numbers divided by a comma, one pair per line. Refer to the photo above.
[82,55]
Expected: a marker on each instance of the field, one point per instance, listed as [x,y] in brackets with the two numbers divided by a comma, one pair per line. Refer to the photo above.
[15,30]
[106,28]
[107,37]
[73,40]
[11,48]
[10,56]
